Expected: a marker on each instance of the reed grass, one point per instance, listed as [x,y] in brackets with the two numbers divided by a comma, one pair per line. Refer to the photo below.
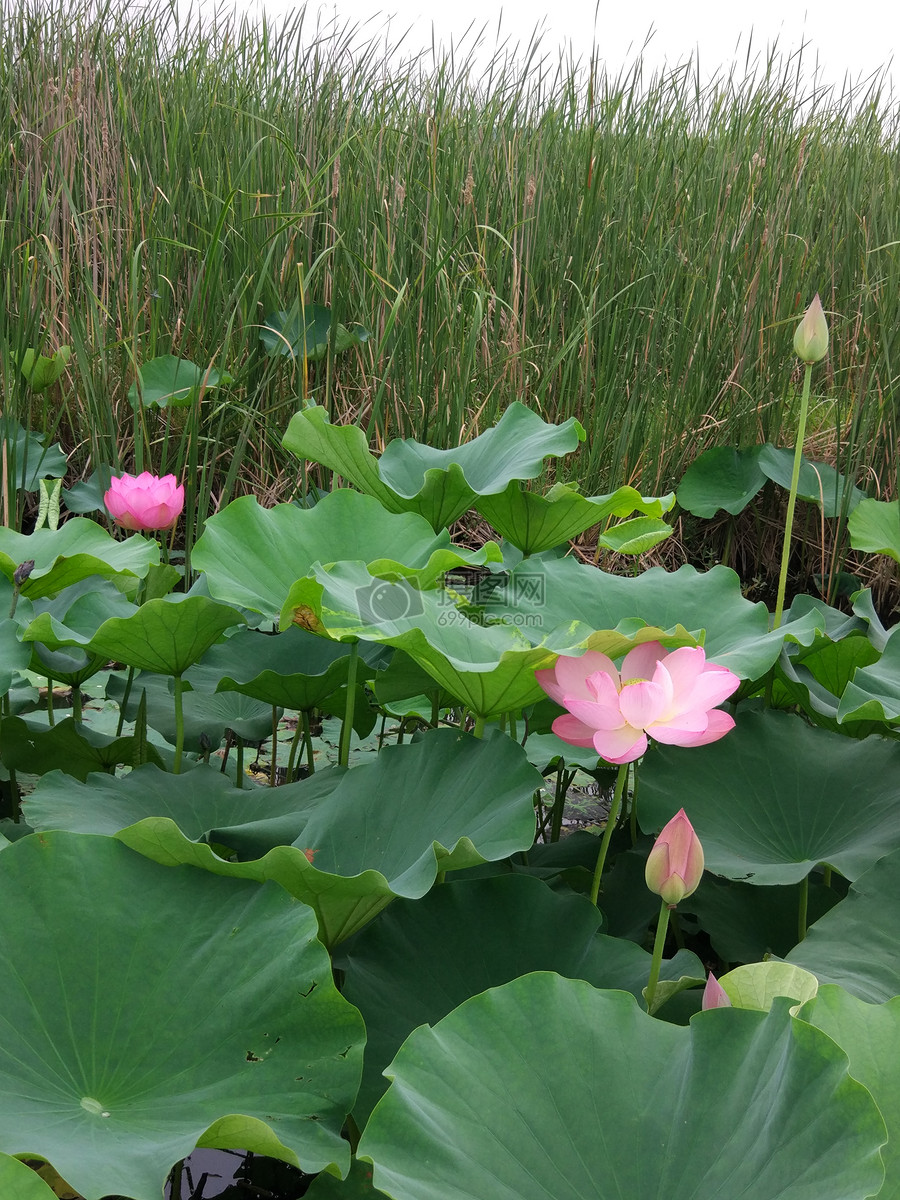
[633,250]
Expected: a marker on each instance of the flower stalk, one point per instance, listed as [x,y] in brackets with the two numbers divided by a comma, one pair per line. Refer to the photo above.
[614,807]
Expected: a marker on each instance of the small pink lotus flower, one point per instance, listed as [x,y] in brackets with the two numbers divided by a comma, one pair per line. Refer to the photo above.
[670,695]
[675,864]
[714,995]
[144,502]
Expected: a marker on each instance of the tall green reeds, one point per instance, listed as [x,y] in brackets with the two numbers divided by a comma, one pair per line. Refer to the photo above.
[632,250]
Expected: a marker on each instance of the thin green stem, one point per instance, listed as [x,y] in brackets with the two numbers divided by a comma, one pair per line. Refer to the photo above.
[347,726]
[295,746]
[826,875]
[608,831]
[239,762]
[478,730]
[179,723]
[76,702]
[307,738]
[273,767]
[51,717]
[792,497]
[658,947]
[804,908]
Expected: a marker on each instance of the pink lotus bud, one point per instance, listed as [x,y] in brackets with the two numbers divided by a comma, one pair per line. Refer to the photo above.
[144,502]
[675,864]
[811,337]
[714,995]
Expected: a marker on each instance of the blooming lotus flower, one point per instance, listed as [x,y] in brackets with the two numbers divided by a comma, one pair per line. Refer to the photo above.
[675,864]
[811,336]
[670,695]
[714,995]
[145,502]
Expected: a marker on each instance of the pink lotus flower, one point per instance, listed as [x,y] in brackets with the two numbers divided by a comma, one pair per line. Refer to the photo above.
[144,501]
[714,995]
[675,864]
[670,695]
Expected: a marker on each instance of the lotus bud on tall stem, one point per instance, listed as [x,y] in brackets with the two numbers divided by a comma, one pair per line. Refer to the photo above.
[810,346]
[674,870]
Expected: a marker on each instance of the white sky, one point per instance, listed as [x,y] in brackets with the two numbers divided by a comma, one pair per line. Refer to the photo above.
[852,38]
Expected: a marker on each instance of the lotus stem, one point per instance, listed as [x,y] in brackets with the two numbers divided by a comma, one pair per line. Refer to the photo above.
[347,726]
[478,729]
[659,942]
[608,831]
[804,908]
[179,724]
[792,497]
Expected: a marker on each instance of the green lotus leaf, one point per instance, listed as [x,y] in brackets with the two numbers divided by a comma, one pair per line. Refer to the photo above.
[19,1182]
[775,797]
[173,382]
[357,1186]
[164,636]
[131,1030]
[756,985]
[636,536]
[870,1037]
[815,679]
[252,556]
[297,334]
[819,482]
[204,714]
[295,669]
[489,668]
[534,523]
[439,484]
[422,958]
[873,693]
[442,803]
[202,802]
[855,944]
[76,550]
[501,1098]
[82,607]
[15,655]
[747,923]
[87,495]
[27,744]
[560,603]
[723,477]
[28,459]
[41,371]
[875,527]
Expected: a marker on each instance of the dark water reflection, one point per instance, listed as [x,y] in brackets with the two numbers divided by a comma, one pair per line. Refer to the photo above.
[235,1175]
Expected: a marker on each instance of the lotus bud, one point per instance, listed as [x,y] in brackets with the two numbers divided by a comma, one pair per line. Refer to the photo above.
[714,995]
[675,864]
[811,338]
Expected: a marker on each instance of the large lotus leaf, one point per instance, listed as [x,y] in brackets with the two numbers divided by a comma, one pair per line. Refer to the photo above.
[19,1182]
[27,744]
[206,717]
[870,1037]
[874,692]
[819,483]
[747,923]
[83,607]
[636,536]
[559,603]
[169,381]
[165,635]
[15,655]
[77,549]
[295,669]
[440,484]
[297,334]
[549,1087]
[855,944]
[42,370]
[723,477]
[758,985]
[775,796]
[131,1030]
[87,495]
[28,459]
[403,679]
[489,668]
[815,678]
[534,523]
[442,803]
[199,801]
[875,527]
[253,555]
[422,958]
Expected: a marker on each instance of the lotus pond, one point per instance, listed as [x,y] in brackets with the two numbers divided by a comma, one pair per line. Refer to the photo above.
[382,957]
